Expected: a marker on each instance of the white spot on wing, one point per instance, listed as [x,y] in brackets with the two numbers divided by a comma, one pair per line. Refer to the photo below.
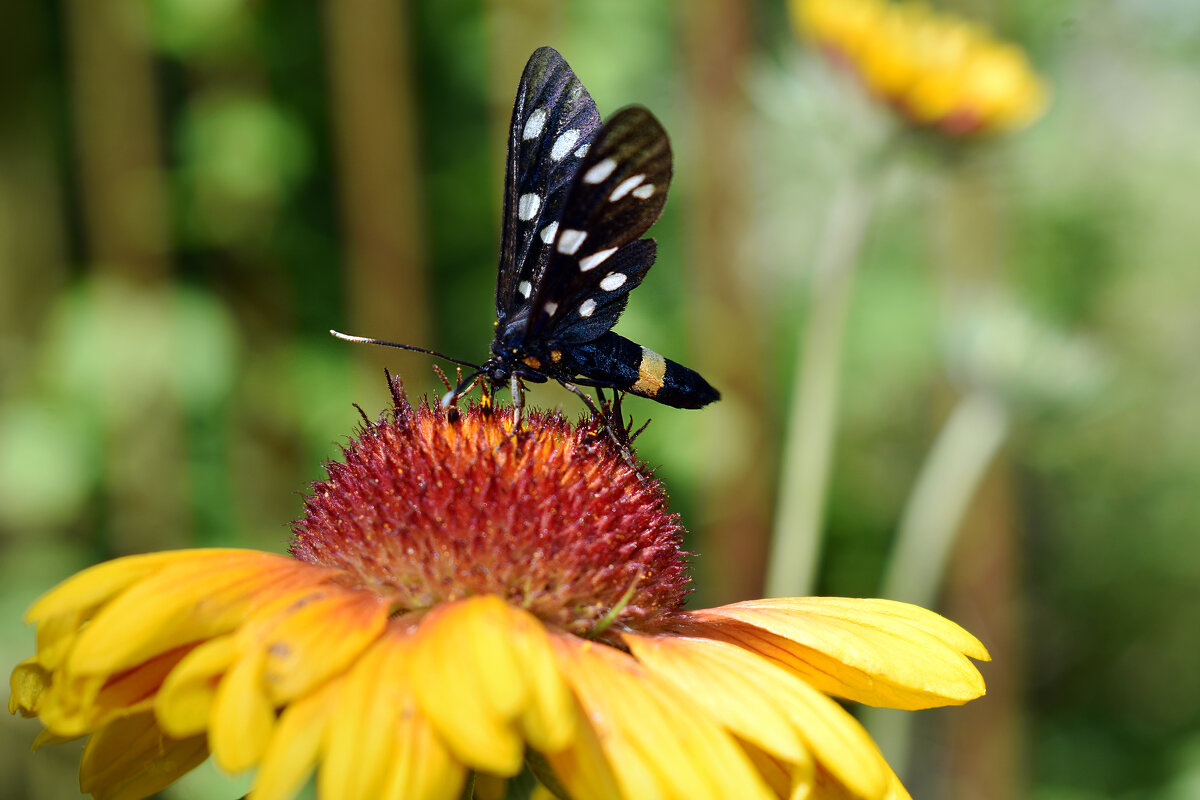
[587,307]
[569,240]
[600,171]
[534,125]
[525,288]
[613,280]
[548,232]
[625,187]
[563,144]
[582,151]
[528,205]
[550,309]
[643,192]
[590,262]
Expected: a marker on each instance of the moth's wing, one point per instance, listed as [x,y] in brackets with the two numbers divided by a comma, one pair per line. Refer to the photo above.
[553,120]
[596,255]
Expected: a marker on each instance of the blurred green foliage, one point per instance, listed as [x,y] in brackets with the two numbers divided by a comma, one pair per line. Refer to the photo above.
[193,408]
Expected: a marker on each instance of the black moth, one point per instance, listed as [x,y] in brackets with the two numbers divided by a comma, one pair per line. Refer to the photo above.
[577,197]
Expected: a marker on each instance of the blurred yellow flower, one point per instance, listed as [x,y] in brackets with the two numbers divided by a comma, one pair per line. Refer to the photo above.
[935,70]
[461,602]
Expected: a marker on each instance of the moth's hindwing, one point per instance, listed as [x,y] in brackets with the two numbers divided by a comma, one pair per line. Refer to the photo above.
[597,258]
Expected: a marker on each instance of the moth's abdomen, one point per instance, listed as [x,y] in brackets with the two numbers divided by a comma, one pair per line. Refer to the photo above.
[616,361]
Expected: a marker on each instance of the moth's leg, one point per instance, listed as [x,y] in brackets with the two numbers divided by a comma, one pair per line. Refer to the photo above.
[619,416]
[450,401]
[604,407]
[518,400]
[626,452]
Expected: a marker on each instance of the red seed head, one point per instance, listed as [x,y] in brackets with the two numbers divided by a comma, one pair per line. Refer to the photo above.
[553,520]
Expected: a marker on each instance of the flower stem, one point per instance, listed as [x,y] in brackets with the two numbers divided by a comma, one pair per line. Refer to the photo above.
[957,463]
[812,416]
[964,449]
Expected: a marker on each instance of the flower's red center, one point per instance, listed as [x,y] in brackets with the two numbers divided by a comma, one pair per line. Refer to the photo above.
[427,511]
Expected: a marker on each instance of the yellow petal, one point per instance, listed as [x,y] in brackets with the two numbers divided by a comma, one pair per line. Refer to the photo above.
[879,652]
[581,768]
[185,602]
[184,703]
[87,590]
[242,716]
[727,688]
[468,685]
[658,742]
[549,719]
[26,684]
[295,745]
[828,787]
[792,781]
[65,705]
[46,737]
[766,705]
[489,787]
[56,636]
[361,734]
[131,758]
[422,765]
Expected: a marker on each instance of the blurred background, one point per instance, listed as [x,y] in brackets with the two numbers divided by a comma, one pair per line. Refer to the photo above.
[192,192]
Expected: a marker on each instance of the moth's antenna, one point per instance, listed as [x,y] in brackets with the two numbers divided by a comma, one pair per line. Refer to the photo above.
[367,340]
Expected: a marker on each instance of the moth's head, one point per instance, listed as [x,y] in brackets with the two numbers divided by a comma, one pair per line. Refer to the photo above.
[497,369]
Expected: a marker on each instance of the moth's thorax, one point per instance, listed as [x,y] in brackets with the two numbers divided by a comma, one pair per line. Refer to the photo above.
[513,353]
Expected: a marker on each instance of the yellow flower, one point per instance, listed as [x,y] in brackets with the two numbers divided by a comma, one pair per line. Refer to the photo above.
[458,602]
[935,70]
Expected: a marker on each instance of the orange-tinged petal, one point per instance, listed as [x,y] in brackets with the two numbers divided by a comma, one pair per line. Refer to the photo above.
[295,745]
[131,758]
[242,716]
[878,652]
[658,742]
[79,706]
[320,639]
[184,703]
[731,685]
[458,683]
[185,602]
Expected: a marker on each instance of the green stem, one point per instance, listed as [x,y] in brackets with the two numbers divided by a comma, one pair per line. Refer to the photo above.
[965,448]
[812,417]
